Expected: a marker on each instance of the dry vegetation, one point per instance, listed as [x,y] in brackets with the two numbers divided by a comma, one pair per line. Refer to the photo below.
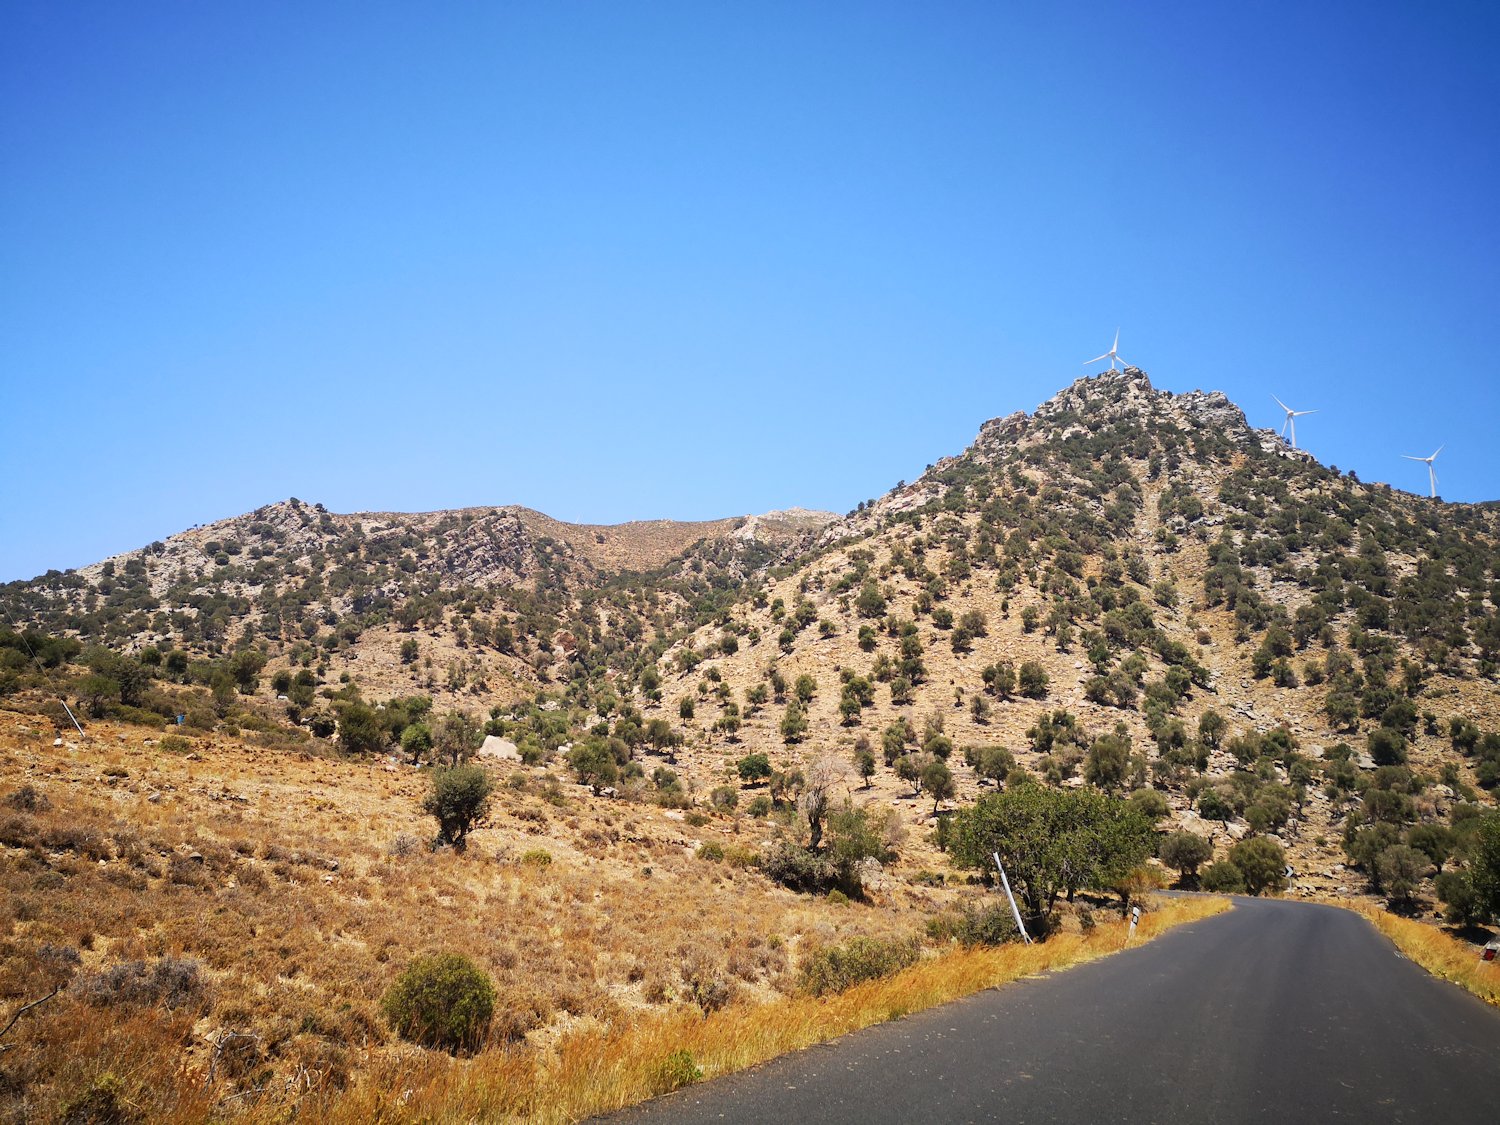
[1439,952]
[1152,558]
[226,917]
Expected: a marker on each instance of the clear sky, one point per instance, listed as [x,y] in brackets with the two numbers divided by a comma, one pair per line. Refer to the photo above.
[634,260]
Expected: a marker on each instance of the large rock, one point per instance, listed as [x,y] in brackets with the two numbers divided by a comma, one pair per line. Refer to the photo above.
[496,747]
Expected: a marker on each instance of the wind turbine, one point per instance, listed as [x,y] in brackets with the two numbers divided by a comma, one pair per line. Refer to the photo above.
[1111,355]
[1431,476]
[1291,419]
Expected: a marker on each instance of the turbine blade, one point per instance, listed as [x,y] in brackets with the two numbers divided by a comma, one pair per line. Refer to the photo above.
[1439,449]
[1283,405]
[1096,359]
[1409,457]
[1117,340]
[1299,413]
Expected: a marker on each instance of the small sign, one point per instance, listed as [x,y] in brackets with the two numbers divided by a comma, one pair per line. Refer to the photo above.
[1135,916]
[1490,952]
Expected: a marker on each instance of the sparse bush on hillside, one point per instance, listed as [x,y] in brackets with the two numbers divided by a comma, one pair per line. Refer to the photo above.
[988,923]
[443,1000]
[841,967]
[1033,680]
[167,982]
[459,800]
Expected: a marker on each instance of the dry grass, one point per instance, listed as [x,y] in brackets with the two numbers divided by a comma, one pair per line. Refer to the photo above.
[298,886]
[1439,953]
[598,1070]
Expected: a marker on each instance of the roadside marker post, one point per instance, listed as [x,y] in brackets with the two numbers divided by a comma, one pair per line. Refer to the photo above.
[1135,916]
[1490,952]
[1014,909]
[72,716]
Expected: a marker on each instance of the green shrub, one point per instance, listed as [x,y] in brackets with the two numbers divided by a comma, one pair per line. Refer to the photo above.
[443,1000]
[1223,877]
[674,1072]
[989,924]
[711,850]
[840,967]
[537,857]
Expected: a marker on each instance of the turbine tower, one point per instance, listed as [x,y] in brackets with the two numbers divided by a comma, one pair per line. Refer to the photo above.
[1111,355]
[1291,420]
[1431,476]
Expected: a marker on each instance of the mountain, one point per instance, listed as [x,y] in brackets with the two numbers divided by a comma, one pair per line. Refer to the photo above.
[725,766]
[1127,586]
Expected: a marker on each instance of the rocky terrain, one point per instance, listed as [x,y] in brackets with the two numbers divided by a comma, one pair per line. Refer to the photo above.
[1151,556]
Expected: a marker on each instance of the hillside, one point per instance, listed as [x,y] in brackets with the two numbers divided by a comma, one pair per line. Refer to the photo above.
[718,749]
[1158,559]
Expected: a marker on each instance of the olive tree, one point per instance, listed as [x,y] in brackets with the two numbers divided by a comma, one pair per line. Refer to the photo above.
[458,799]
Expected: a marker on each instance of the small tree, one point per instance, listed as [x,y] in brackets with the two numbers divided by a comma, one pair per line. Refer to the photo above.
[1400,870]
[1211,727]
[1213,805]
[1186,851]
[594,763]
[1387,747]
[753,768]
[1108,759]
[793,722]
[360,728]
[416,740]
[864,760]
[1033,680]
[824,775]
[1262,862]
[459,799]
[443,1000]
[937,779]
[458,737]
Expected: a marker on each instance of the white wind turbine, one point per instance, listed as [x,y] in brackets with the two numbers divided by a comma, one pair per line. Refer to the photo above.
[1431,476]
[1111,355]
[1291,419]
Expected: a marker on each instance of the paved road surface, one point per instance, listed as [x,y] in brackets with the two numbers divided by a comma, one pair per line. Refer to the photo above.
[1275,1012]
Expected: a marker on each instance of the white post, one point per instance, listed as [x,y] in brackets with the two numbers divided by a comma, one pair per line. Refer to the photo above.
[1135,916]
[1014,909]
[69,710]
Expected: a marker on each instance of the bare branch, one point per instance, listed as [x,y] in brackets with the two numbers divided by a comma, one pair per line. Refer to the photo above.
[21,1011]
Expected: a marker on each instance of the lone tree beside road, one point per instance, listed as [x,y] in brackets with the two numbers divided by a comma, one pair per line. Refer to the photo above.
[1186,851]
[1052,841]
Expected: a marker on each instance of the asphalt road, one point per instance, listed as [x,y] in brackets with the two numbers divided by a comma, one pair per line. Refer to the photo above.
[1276,1011]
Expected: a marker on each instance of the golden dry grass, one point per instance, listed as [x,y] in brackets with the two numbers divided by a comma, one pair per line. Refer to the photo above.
[275,872]
[1439,953]
[598,1070]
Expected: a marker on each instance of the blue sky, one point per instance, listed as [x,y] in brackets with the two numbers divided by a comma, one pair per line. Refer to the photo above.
[620,261]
